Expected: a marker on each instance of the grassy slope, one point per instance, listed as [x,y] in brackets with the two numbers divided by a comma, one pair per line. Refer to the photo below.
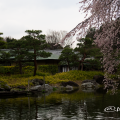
[73,75]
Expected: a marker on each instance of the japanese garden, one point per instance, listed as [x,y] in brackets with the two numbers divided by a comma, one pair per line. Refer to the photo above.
[43,77]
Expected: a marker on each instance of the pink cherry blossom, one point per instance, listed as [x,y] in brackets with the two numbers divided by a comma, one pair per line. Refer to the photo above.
[102,13]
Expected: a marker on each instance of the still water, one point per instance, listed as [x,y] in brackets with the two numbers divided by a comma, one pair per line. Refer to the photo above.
[61,106]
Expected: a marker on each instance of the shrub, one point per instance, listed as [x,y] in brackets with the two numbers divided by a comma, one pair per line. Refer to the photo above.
[48,68]
[28,69]
[42,73]
[8,69]
[92,65]
[15,69]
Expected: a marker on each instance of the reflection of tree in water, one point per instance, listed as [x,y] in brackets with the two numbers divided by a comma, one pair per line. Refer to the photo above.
[56,106]
[69,107]
[33,108]
[74,108]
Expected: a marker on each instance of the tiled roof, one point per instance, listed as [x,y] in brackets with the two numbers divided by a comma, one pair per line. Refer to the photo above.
[55,54]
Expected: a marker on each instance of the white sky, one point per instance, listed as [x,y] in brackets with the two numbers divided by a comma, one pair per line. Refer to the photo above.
[20,15]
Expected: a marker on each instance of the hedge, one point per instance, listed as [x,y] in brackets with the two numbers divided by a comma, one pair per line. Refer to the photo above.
[15,69]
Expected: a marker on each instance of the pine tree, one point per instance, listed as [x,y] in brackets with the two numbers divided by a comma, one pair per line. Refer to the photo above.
[36,41]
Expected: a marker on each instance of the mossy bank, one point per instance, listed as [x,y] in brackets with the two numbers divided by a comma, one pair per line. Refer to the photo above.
[73,75]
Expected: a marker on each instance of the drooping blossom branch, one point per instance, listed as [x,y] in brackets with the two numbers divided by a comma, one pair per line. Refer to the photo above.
[103,13]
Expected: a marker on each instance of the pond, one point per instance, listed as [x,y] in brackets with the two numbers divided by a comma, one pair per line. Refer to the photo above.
[61,106]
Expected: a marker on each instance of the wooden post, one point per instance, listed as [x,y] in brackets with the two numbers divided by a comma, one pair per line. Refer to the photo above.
[44,81]
[44,89]
[28,85]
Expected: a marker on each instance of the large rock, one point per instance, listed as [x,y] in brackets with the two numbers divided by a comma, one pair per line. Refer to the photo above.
[36,88]
[71,83]
[47,88]
[4,86]
[69,87]
[37,81]
[89,84]
[99,78]
[86,81]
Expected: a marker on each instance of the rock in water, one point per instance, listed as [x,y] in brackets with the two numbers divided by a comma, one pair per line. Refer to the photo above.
[47,87]
[69,87]
[89,84]
[36,88]
[71,83]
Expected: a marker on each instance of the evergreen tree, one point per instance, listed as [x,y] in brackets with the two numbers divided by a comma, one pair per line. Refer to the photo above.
[4,57]
[86,49]
[19,51]
[67,57]
[2,43]
[36,41]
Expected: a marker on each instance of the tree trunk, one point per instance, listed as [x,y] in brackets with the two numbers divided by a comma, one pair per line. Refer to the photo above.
[81,66]
[20,67]
[68,65]
[35,63]
[84,56]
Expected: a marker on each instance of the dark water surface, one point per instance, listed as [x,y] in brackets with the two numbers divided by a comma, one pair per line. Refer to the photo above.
[61,106]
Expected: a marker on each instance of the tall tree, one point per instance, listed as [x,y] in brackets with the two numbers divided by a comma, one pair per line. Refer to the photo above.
[1,38]
[67,57]
[86,49]
[9,39]
[36,41]
[99,56]
[4,57]
[19,51]
[2,43]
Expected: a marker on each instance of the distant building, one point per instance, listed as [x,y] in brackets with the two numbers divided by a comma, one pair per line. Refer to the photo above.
[52,60]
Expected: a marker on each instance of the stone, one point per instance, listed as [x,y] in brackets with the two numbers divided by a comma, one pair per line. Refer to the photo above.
[4,86]
[37,81]
[99,78]
[47,87]
[88,84]
[71,83]
[69,87]
[36,88]
[2,89]
[86,81]
[41,88]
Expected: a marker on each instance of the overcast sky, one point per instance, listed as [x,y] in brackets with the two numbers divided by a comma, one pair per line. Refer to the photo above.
[20,15]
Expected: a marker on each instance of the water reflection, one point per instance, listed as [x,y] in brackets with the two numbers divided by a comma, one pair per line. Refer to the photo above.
[57,106]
